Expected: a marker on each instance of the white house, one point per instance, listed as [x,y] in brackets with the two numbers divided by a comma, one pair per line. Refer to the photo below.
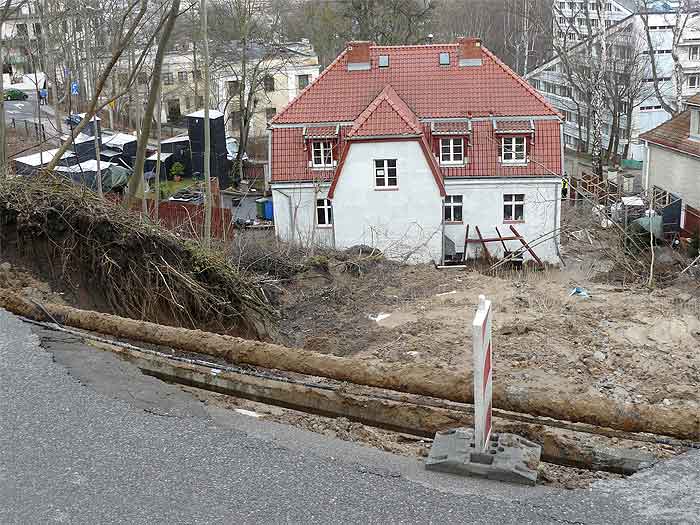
[418,151]
[672,167]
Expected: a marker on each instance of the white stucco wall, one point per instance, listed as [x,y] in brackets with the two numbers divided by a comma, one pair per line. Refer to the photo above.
[405,223]
[294,207]
[408,221]
[675,172]
[483,207]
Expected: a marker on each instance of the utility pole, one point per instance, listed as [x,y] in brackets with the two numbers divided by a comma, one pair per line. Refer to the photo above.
[207,134]
[156,198]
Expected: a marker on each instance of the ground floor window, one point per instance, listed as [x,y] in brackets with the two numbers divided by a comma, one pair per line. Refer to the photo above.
[453,208]
[513,206]
[324,212]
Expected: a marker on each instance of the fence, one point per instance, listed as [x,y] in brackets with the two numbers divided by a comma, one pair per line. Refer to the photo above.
[30,128]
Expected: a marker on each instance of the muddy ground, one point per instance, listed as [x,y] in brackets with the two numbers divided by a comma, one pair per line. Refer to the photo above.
[626,341]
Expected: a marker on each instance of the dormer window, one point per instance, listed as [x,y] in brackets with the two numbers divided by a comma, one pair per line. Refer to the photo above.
[513,150]
[444,59]
[383,60]
[451,151]
[322,154]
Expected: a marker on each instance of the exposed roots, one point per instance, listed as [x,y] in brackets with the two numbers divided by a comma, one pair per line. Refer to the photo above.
[131,266]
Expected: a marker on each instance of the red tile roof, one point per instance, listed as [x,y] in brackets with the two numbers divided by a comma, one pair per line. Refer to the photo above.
[429,89]
[694,100]
[391,101]
[386,115]
[674,133]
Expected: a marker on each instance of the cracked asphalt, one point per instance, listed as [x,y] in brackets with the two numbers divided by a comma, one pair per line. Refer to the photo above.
[85,438]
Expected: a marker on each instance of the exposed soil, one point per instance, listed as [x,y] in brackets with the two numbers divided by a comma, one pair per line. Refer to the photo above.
[625,341]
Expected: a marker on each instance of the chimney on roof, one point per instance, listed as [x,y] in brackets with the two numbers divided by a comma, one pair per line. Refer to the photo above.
[358,55]
[469,51]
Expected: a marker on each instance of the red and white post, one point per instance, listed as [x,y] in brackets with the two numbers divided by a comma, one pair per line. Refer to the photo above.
[481,348]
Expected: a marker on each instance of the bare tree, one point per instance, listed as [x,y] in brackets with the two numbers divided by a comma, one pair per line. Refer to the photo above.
[153,96]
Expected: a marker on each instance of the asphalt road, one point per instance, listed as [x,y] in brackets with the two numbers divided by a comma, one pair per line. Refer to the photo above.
[21,109]
[85,438]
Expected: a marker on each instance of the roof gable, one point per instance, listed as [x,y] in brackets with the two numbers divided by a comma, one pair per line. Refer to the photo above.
[430,89]
[386,115]
[674,134]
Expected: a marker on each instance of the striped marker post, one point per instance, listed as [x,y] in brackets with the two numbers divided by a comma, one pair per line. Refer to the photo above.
[481,349]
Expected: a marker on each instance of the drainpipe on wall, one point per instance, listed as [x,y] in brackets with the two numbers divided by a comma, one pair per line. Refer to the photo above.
[292,231]
[557,194]
[646,165]
[442,240]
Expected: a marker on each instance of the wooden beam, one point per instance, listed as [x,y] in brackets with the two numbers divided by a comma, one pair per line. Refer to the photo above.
[505,248]
[483,243]
[526,245]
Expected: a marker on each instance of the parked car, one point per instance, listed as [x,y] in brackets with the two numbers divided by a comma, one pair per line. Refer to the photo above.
[15,94]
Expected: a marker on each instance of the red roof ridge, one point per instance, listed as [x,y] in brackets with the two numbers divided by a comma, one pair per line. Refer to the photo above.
[313,83]
[520,80]
[389,95]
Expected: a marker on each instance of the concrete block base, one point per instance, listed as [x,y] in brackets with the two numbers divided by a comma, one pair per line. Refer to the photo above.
[509,457]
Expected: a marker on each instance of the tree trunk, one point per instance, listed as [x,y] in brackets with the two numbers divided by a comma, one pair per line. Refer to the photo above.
[137,177]
[159,118]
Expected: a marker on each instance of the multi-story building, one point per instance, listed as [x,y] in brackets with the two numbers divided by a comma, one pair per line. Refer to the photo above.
[571,18]
[643,110]
[21,33]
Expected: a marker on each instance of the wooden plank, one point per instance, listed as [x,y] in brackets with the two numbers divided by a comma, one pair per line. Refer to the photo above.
[526,245]
[483,243]
[494,239]
[505,249]
[466,243]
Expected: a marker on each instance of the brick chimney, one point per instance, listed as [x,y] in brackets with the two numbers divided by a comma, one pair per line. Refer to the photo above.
[469,51]
[358,55]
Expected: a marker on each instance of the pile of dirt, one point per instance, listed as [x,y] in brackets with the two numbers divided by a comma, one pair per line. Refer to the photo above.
[30,287]
[113,261]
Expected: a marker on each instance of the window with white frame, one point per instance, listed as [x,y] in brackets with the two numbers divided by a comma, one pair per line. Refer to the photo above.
[694,52]
[513,150]
[385,175]
[324,212]
[322,154]
[694,81]
[453,208]
[452,151]
[513,206]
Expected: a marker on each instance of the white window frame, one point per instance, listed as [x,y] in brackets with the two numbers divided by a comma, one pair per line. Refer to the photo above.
[512,201]
[453,203]
[325,206]
[694,81]
[449,154]
[381,172]
[516,142]
[694,53]
[322,150]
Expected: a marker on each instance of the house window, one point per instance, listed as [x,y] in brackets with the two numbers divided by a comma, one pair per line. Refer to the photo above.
[21,29]
[269,83]
[513,150]
[302,81]
[694,81]
[444,59]
[383,60]
[322,154]
[200,101]
[694,53]
[168,79]
[451,151]
[197,74]
[270,113]
[182,76]
[453,208]
[513,206]
[385,173]
[232,88]
[324,212]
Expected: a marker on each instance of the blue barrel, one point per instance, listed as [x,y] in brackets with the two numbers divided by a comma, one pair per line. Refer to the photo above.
[269,215]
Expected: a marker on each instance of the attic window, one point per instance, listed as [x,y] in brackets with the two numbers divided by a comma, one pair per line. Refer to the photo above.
[383,60]
[444,59]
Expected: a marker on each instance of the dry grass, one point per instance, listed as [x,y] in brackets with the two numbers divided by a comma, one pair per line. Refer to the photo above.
[137,269]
